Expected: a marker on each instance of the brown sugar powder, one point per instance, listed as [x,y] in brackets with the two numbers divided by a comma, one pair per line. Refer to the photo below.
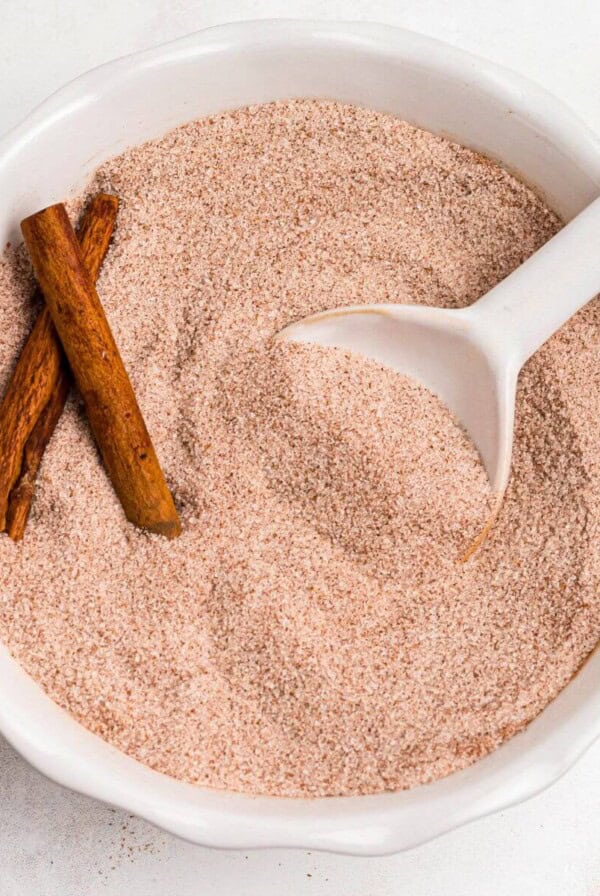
[312,631]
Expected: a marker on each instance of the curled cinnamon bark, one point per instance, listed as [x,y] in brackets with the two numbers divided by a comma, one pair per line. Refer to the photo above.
[39,385]
[111,405]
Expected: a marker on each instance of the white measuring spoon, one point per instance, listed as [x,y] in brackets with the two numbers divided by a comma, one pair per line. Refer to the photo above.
[471,357]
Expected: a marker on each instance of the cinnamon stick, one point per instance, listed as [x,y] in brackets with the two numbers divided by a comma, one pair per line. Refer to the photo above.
[111,405]
[39,385]
[21,497]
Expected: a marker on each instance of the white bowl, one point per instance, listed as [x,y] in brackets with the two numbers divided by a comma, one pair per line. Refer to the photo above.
[52,154]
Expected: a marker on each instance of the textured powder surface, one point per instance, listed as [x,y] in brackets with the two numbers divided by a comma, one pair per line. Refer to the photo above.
[311,632]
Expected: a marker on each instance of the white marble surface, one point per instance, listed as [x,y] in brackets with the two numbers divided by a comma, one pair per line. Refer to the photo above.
[55,843]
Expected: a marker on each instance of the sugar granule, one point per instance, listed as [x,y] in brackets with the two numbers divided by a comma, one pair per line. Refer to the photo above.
[312,632]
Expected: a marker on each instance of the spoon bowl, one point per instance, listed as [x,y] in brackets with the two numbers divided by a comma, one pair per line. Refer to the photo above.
[443,349]
[471,357]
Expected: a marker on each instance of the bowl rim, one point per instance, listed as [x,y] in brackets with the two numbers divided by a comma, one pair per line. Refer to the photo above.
[377,824]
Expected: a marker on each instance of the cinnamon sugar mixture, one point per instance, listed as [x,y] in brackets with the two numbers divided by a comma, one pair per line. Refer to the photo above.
[312,632]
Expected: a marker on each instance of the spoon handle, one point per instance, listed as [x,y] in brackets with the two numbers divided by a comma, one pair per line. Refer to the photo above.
[532,303]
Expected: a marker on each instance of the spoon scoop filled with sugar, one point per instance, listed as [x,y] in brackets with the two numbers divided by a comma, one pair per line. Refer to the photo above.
[471,357]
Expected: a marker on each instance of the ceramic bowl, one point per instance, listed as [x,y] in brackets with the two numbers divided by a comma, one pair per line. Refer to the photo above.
[51,156]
